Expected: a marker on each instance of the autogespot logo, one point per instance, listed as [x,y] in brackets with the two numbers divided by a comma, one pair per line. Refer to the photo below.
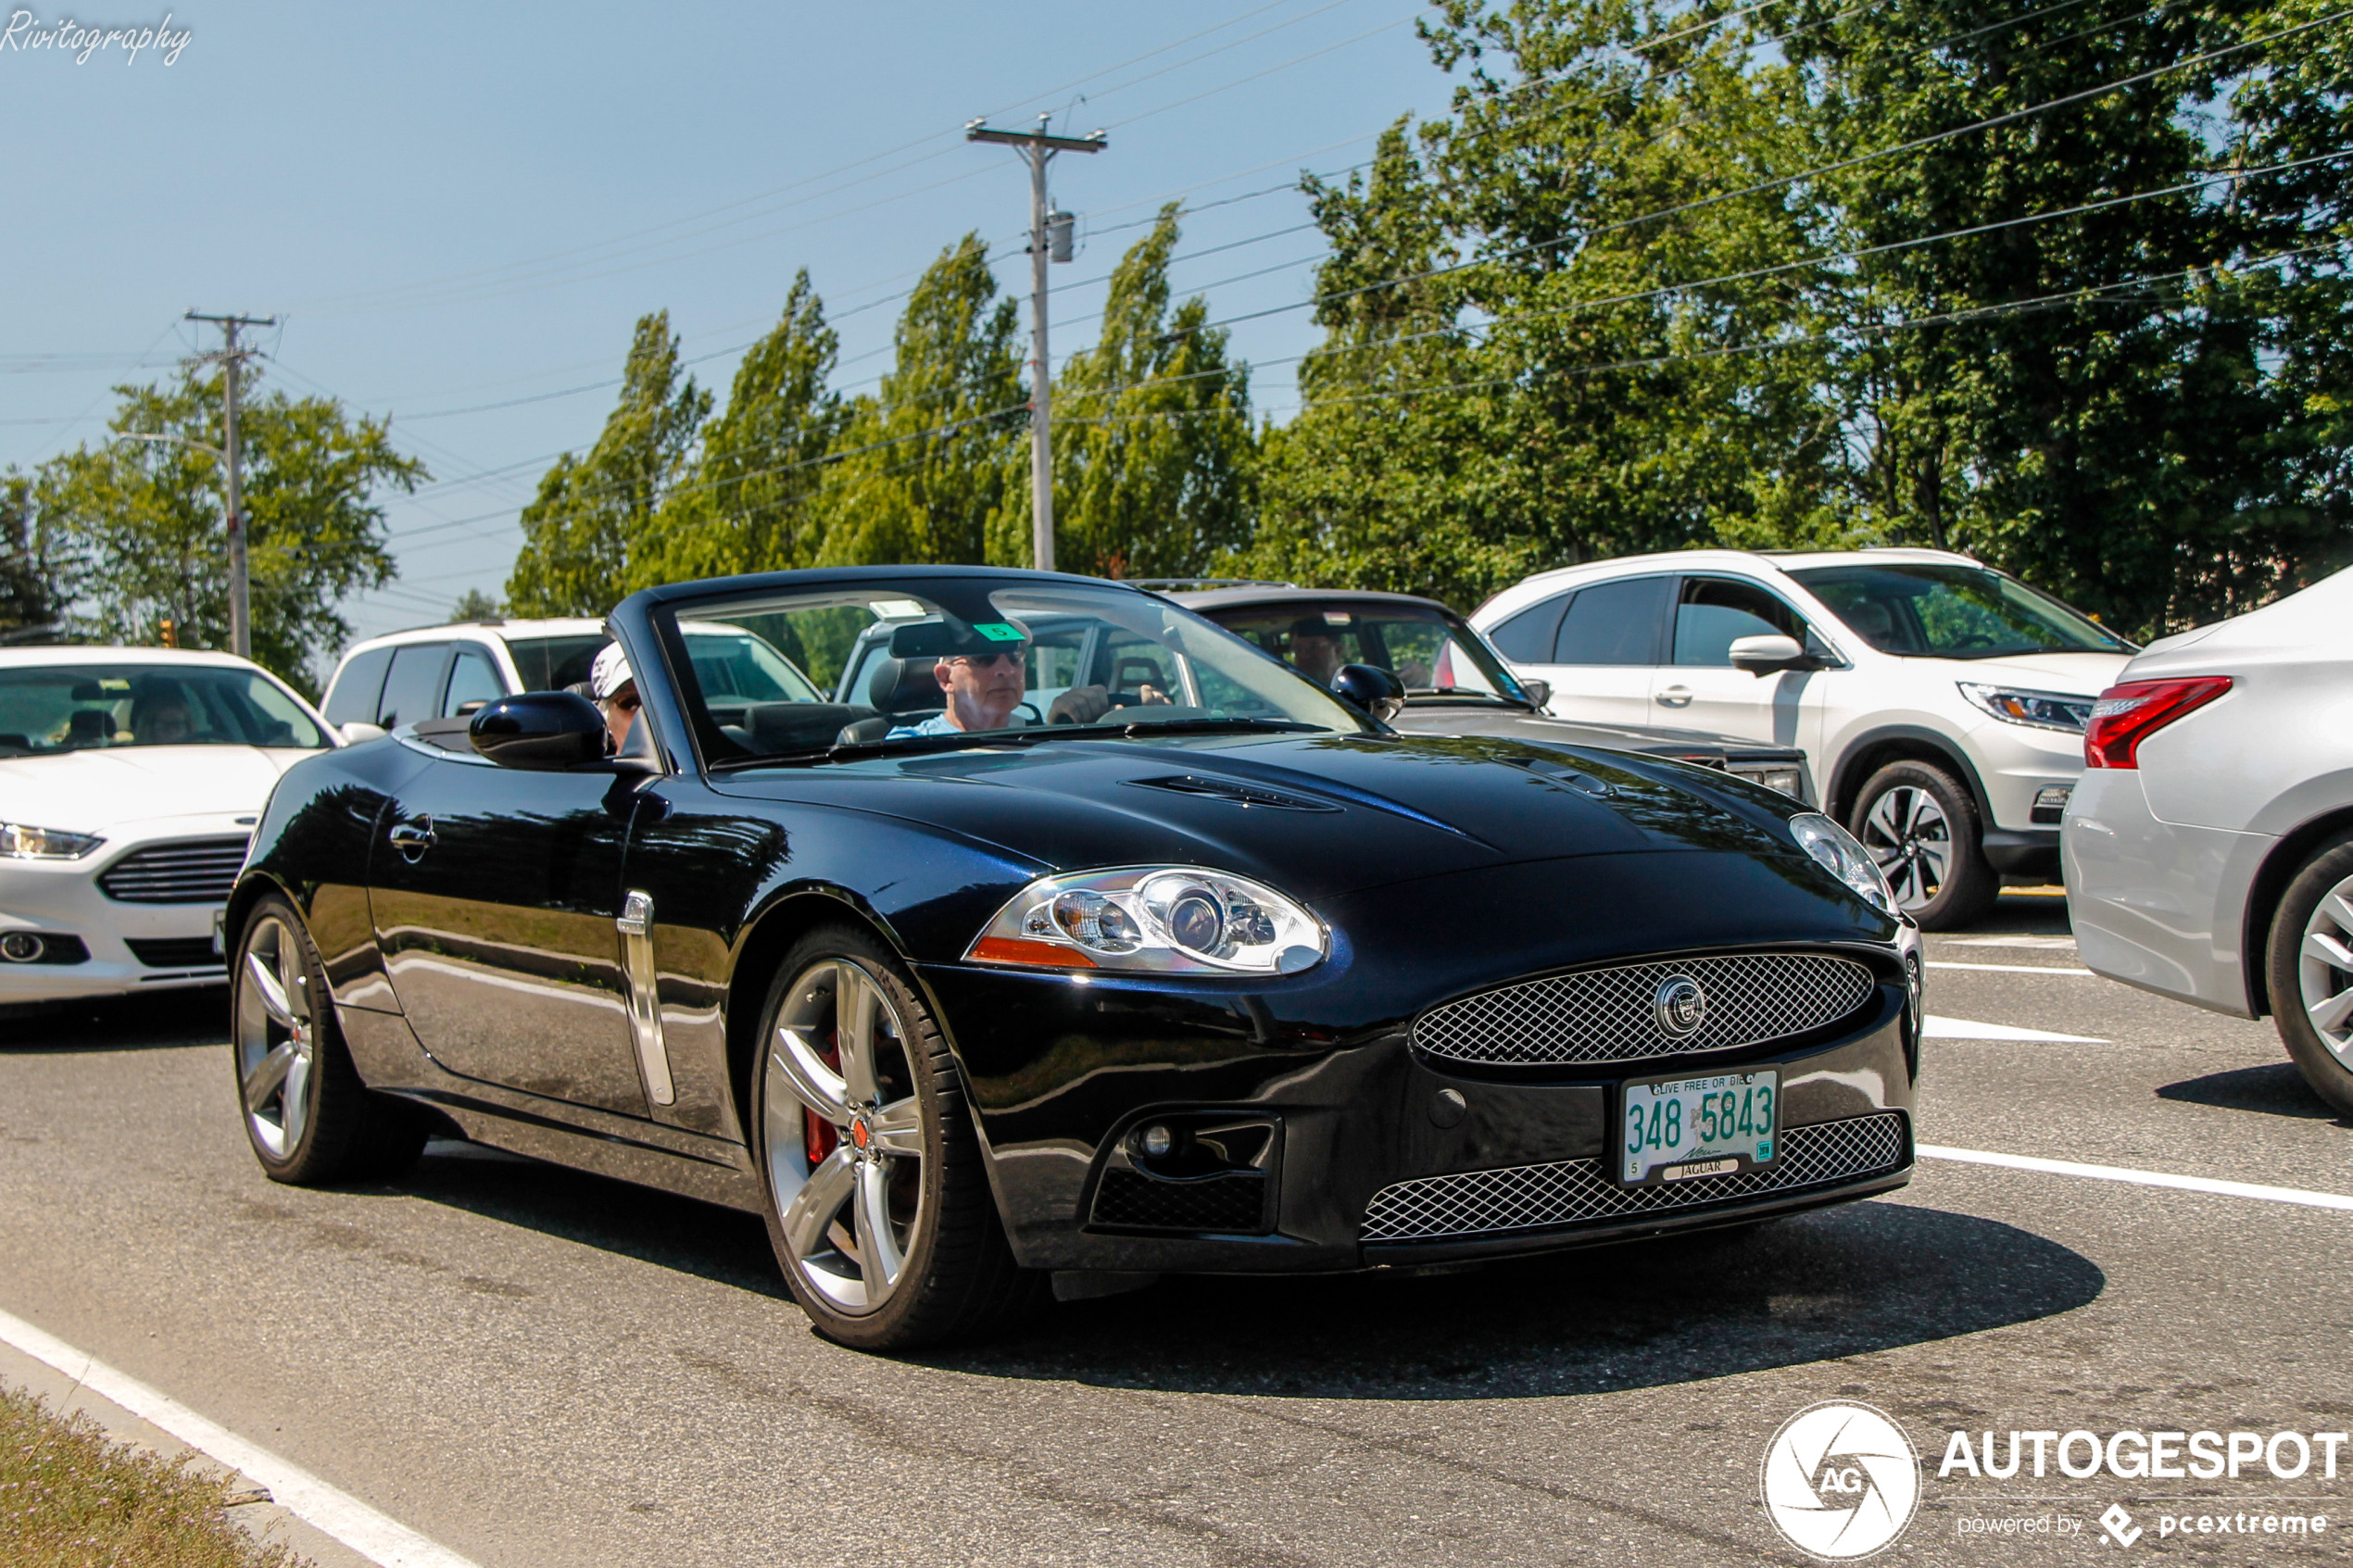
[1839,1481]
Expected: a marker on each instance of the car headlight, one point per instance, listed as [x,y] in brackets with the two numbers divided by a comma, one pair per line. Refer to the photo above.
[19,842]
[1843,858]
[1162,920]
[2041,710]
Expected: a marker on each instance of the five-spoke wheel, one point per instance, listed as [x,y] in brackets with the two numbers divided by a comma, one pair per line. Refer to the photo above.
[309,1114]
[879,1209]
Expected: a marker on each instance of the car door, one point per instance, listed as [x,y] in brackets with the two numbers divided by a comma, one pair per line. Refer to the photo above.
[413,685]
[1699,689]
[494,893]
[1599,646]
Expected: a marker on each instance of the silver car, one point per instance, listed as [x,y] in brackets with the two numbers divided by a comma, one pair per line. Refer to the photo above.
[2208,849]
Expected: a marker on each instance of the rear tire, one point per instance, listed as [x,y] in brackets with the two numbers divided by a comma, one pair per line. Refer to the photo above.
[1921,824]
[2309,968]
[309,1118]
[889,1238]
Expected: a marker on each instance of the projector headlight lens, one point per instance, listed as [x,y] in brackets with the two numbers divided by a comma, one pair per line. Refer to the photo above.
[1846,859]
[1169,920]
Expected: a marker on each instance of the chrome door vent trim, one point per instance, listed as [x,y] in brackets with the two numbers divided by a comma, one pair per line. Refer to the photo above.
[636,927]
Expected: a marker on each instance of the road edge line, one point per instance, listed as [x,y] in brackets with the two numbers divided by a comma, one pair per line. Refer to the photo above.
[375,1535]
[2138,1178]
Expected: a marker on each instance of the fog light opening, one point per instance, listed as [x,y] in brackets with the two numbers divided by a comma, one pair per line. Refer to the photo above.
[21,947]
[1156,1141]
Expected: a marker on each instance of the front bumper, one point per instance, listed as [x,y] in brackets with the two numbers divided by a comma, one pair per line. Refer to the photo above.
[1478,1162]
[62,898]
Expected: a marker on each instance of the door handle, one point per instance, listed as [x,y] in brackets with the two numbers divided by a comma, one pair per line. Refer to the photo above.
[413,838]
[1673,696]
[635,923]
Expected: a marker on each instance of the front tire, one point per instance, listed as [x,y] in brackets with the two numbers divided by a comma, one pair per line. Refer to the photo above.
[878,1208]
[1921,824]
[308,1115]
[2310,970]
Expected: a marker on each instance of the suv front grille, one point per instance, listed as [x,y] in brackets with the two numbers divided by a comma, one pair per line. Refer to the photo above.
[1577,1191]
[1610,1014]
[196,871]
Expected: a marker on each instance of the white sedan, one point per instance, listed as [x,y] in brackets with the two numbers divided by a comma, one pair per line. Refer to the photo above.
[2208,849]
[130,781]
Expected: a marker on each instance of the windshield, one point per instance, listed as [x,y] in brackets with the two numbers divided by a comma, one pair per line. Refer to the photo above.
[931,663]
[1427,649]
[1939,611]
[52,708]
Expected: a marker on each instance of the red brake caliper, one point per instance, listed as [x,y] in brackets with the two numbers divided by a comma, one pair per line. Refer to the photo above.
[818,1137]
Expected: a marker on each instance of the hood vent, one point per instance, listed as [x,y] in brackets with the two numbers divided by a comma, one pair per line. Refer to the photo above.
[1235,793]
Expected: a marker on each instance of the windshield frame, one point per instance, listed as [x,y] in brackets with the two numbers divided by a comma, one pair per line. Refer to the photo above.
[712,601]
[130,667]
[2098,639]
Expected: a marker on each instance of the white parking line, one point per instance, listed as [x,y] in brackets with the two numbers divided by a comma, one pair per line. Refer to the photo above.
[337,1513]
[2009,968]
[1936,1028]
[2139,1178]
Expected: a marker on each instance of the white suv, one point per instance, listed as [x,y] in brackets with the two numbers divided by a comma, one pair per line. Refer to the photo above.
[1940,704]
[442,671]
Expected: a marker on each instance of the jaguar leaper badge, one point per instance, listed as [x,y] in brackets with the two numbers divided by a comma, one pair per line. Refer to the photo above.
[1679,1006]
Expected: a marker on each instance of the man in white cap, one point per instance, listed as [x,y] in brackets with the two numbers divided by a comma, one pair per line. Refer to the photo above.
[616,688]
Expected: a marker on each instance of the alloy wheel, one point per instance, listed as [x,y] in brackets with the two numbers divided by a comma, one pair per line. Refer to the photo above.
[2324,969]
[844,1135]
[1909,836]
[276,1037]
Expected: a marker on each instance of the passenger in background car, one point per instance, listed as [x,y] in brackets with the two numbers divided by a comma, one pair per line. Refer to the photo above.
[616,693]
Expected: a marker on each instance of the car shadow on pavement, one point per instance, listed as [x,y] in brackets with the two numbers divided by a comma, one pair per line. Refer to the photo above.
[1841,1282]
[721,1245]
[160,1021]
[2276,1089]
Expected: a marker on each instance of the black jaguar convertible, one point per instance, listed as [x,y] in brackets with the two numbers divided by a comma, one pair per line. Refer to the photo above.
[1092,944]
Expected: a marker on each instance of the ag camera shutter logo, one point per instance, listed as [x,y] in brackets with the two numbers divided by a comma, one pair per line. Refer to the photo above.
[1839,1481]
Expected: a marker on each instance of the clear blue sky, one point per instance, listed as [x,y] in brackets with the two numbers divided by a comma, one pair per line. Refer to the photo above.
[454,206]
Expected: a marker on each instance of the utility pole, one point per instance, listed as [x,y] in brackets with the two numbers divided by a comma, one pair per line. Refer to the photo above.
[1049,240]
[239,587]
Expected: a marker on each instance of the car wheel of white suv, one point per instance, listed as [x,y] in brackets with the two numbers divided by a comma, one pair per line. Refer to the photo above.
[2311,972]
[1920,825]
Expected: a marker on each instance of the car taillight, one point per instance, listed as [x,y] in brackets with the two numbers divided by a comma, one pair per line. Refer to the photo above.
[2128,714]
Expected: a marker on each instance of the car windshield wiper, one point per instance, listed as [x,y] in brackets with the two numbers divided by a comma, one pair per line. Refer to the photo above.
[862,750]
[1138,727]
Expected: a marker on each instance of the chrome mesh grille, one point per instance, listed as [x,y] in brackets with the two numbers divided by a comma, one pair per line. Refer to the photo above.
[195,871]
[1573,1191]
[1606,1014]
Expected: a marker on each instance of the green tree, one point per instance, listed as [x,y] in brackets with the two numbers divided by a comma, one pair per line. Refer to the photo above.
[747,505]
[921,471]
[28,600]
[137,526]
[1153,452]
[593,514]
[475,604]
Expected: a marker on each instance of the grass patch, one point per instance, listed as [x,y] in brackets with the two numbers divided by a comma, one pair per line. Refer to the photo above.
[71,1499]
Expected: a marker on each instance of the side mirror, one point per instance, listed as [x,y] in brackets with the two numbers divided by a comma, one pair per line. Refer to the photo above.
[1763,655]
[1538,692]
[540,730]
[355,732]
[1371,687]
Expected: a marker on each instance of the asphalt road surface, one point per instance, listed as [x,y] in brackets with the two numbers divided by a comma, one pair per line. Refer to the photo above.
[533,1366]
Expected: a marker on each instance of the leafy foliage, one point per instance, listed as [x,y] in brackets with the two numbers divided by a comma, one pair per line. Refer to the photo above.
[134,530]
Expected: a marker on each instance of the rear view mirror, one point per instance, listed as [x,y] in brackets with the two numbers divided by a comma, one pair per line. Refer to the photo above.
[1371,687]
[539,730]
[1538,692]
[921,639]
[355,732]
[1763,655]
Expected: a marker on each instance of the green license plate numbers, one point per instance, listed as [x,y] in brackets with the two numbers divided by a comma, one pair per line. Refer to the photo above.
[1677,1129]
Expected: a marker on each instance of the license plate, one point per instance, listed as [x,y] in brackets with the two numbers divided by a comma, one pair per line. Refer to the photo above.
[1680,1128]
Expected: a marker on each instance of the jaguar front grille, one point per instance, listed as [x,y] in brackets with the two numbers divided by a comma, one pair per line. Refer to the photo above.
[1613,1015]
[1570,1192]
[196,871]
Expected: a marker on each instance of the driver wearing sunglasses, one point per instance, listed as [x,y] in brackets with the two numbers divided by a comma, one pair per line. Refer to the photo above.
[983,684]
